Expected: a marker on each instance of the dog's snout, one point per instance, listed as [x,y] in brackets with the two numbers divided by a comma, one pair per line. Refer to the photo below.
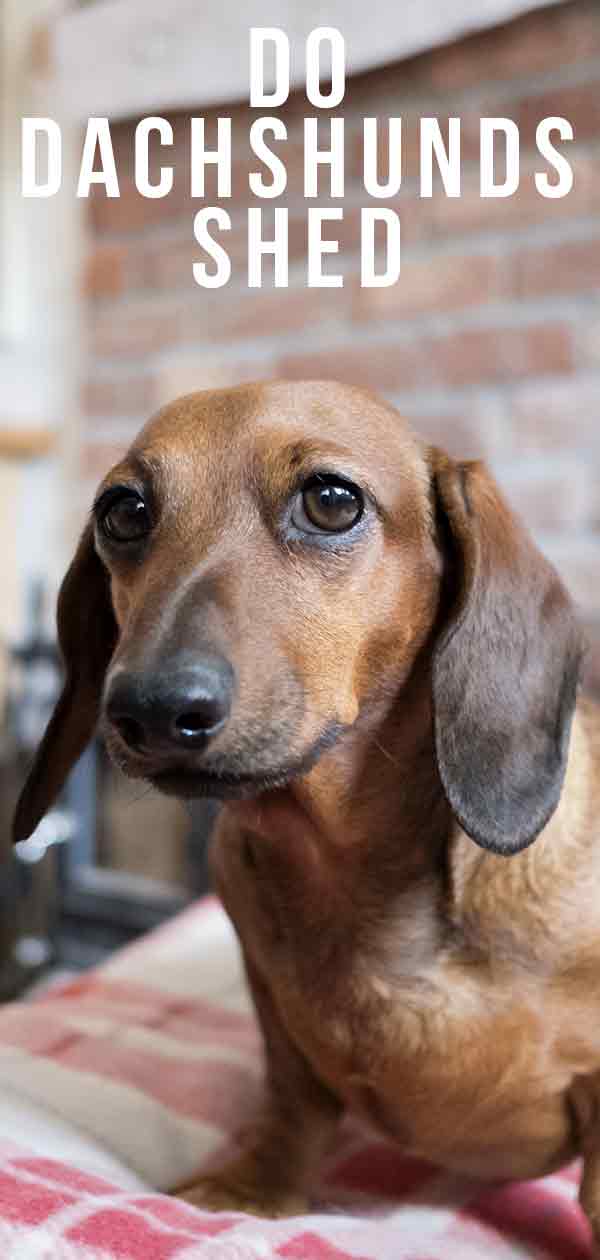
[179,706]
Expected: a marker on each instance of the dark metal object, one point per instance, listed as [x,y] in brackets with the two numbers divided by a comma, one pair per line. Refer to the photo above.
[29,872]
[58,905]
[203,814]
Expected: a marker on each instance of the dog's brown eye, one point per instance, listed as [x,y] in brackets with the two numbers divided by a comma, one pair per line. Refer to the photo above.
[126,519]
[328,506]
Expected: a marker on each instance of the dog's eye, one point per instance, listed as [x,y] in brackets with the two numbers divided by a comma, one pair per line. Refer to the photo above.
[126,518]
[327,505]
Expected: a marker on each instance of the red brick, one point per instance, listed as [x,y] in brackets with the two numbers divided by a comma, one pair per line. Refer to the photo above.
[380,367]
[143,326]
[436,282]
[563,267]
[589,340]
[115,396]
[579,104]
[470,357]
[558,495]
[553,416]
[135,328]
[258,313]
[130,212]
[160,263]
[476,431]
[534,44]
[184,372]
[499,354]
[165,264]
[471,213]
[103,273]
[578,562]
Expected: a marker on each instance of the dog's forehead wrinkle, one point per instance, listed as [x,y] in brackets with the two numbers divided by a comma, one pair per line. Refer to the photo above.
[199,418]
[341,411]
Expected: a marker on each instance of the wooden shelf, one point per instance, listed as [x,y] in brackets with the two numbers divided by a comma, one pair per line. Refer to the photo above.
[26,442]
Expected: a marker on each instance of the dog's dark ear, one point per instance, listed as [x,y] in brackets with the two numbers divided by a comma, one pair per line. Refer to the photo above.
[87,635]
[505,666]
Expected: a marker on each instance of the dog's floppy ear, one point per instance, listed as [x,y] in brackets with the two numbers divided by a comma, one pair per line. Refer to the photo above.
[87,635]
[505,666]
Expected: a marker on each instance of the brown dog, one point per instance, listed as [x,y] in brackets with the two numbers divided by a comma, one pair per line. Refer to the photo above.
[284,600]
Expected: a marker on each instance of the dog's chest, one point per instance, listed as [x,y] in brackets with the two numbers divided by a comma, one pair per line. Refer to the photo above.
[437,1063]
[424,1046]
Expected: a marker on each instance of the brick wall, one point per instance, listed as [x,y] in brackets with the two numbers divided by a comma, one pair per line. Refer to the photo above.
[490,342]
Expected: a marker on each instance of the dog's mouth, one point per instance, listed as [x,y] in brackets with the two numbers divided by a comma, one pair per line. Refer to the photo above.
[223,781]
[190,784]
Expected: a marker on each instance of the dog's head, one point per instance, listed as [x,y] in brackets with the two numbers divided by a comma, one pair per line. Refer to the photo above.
[265,564]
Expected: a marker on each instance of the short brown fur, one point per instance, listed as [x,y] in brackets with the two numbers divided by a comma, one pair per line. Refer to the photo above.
[449,992]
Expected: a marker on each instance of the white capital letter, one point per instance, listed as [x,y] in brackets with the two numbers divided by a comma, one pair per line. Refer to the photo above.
[369,278]
[257,247]
[142,161]
[220,157]
[448,162]
[336,72]
[317,247]
[556,159]
[280,70]
[333,157]
[510,131]
[266,155]
[98,134]
[214,279]
[30,129]
[370,153]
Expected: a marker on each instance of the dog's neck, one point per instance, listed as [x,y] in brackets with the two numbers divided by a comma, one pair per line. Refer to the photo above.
[360,842]
[385,781]
[375,799]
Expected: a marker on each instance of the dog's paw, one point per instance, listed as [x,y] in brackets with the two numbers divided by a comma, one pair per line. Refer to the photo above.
[220,1193]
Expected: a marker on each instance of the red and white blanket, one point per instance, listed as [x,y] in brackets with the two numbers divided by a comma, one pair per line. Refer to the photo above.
[153,1064]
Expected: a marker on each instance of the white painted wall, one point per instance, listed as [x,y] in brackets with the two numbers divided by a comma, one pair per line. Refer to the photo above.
[40,337]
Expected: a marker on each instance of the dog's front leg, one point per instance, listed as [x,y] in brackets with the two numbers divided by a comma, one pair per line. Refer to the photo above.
[272,1175]
[584,1099]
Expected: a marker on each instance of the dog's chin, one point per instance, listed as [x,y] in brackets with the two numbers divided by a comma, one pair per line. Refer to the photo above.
[225,780]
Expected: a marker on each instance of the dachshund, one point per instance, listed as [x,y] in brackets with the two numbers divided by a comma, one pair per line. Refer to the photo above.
[285,601]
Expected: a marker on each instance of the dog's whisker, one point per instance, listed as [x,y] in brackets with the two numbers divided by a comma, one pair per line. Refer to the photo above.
[386,753]
[139,796]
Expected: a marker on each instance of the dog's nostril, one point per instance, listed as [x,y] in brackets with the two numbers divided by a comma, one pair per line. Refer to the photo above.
[197,721]
[131,732]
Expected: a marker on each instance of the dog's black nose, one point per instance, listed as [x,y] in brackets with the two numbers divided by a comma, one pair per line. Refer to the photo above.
[179,706]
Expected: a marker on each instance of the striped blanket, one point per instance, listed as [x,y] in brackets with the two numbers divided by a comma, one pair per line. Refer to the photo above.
[153,1063]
